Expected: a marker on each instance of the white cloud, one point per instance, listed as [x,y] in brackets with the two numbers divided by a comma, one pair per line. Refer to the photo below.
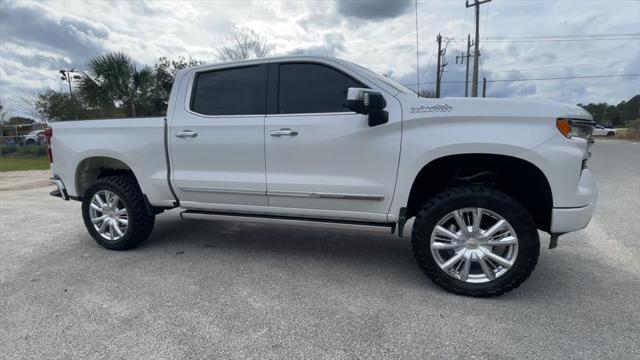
[38,38]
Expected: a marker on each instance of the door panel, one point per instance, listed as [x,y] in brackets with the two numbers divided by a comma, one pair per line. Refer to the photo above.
[335,162]
[224,163]
[321,156]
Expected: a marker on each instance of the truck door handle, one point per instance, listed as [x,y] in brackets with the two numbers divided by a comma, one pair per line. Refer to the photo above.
[283,132]
[186,134]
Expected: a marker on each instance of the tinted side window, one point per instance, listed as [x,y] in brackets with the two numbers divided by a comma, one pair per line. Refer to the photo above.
[237,91]
[312,88]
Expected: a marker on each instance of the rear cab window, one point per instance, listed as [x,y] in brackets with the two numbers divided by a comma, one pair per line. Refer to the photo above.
[232,91]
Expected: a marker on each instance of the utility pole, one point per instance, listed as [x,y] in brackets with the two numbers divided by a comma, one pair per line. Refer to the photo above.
[466,77]
[438,74]
[441,65]
[484,87]
[476,63]
[462,57]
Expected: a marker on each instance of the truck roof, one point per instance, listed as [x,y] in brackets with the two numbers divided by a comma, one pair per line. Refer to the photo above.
[385,83]
[279,58]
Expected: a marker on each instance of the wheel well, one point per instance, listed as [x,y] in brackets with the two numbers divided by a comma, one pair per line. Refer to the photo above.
[516,177]
[93,168]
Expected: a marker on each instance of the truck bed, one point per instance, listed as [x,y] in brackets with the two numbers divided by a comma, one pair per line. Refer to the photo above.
[137,142]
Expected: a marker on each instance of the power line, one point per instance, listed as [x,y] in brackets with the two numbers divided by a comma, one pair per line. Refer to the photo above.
[567,78]
[555,38]
[559,36]
[558,40]
[547,40]
[538,79]
[561,66]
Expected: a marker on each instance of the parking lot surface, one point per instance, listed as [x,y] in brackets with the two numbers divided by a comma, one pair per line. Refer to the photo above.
[238,290]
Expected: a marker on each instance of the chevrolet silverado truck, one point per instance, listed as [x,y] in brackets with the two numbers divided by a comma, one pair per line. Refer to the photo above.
[321,141]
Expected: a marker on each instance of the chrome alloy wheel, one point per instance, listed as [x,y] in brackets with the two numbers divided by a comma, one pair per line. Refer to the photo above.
[108,214]
[474,245]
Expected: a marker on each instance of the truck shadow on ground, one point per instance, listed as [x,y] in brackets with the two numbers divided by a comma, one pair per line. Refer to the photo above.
[388,257]
[283,239]
[356,250]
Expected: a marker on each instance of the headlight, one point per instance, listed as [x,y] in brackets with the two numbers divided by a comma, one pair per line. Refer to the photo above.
[571,128]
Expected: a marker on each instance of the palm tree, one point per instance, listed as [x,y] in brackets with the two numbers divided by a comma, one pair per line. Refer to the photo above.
[113,80]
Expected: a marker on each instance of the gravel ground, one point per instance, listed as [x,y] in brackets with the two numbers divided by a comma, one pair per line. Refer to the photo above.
[238,290]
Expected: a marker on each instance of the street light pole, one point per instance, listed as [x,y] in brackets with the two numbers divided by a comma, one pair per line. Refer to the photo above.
[66,75]
[69,82]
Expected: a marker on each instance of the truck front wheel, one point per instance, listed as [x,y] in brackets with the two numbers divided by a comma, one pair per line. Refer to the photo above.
[115,213]
[475,241]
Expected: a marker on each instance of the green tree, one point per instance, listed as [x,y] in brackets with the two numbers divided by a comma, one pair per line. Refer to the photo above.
[629,110]
[57,106]
[114,81]
[612,115]
[165,72]
[3,113]
[616,115]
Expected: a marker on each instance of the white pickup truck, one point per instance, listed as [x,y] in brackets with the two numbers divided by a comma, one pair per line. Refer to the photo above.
[317,140]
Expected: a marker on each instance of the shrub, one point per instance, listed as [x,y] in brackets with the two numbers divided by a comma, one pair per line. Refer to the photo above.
[8,149]
[33,150]
[24,150]
[633,129]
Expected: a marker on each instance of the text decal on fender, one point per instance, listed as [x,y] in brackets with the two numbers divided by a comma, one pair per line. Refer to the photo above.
[428,109]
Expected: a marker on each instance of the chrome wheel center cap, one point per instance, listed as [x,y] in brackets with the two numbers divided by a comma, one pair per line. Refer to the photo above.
[472,243]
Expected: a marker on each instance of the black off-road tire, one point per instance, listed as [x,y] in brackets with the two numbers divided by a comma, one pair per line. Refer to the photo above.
[140,223]
[483,197]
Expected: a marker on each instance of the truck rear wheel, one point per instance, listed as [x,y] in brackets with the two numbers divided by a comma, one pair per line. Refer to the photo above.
[475,241]
[115,212]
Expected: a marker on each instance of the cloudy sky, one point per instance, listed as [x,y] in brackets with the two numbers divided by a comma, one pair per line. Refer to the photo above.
[39,38]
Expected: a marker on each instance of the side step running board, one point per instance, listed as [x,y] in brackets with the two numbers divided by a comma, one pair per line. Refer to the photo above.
[290,220]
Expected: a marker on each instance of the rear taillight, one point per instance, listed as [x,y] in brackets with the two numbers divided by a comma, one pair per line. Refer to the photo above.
[48,134]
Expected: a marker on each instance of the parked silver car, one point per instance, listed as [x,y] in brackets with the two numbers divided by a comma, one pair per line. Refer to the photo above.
[604,131]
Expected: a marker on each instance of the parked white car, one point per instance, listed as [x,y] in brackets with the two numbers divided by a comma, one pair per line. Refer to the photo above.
[34,137]
[316,140]
[604,131]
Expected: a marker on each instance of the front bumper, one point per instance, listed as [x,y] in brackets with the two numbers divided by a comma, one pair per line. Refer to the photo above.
[564,220]
[62,191]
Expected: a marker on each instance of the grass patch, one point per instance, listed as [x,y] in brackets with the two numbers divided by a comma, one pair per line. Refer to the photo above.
[21,164]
